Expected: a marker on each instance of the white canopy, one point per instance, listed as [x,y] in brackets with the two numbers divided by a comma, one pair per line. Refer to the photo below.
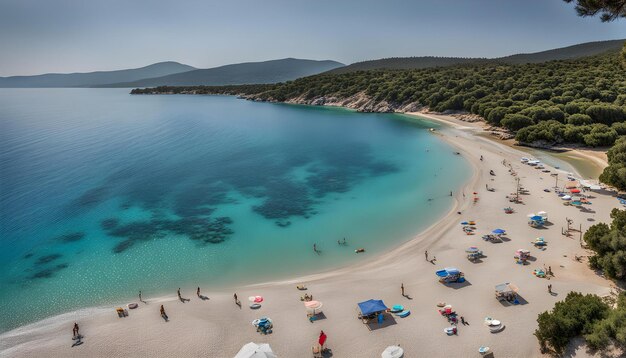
[253,350]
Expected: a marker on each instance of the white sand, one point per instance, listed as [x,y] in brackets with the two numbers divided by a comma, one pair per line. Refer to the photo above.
[218,328]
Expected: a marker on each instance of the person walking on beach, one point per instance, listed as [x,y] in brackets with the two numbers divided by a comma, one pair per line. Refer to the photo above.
[426,254]
[402,288]
[163,314]
[179,296]
[550,288]
[75,331]
[198,291]
[550,271]
[463,321]
[236,300]
[140,299]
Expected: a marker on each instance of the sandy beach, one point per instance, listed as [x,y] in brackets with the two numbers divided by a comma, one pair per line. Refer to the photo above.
[218,328]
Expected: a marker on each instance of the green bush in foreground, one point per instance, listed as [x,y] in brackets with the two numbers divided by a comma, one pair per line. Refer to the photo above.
[572,317]
[609,245]
[615,173]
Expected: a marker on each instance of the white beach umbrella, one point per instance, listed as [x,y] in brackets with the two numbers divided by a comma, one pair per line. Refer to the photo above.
[253,350]
[393,352]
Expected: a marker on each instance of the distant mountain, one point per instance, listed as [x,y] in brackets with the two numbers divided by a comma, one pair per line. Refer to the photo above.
[405,63]
[92,79]
[273,71]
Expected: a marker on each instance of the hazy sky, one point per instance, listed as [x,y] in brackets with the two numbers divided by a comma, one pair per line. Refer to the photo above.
[86,35]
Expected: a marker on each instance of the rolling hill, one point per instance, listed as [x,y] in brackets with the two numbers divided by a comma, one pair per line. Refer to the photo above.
[272,71]
[98,78]
[407,63]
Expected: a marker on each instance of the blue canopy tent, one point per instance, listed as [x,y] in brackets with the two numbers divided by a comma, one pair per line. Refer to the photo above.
[371,306]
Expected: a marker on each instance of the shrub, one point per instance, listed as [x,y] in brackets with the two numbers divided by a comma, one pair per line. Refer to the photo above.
[516,122]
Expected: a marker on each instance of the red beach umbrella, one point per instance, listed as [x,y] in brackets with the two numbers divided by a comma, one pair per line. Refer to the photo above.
[575,191]
[322,339]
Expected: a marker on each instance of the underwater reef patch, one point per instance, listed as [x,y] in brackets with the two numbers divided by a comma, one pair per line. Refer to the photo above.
[202,229]
[49,272]
[71,237]
[47,259]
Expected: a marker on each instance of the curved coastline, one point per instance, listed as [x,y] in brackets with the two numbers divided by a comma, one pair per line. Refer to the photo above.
[381,258]
[362,277]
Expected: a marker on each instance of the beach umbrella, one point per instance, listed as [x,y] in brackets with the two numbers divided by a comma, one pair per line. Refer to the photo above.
[464,223]
[571,185]
[536,218]
[472,249]
[574,191]
[393,352]
[322,338]
[521,251]
[313,305]
[255,299]
[253,350]
[498,231]
[566,197]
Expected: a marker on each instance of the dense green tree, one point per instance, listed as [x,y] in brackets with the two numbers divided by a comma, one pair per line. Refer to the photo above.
[609,10]
[569,318]
[605,113]
[615,173]
[579,119]
[609,245]
[516,122]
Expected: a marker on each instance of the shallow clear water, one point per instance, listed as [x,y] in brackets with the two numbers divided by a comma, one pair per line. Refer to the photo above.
[104,193]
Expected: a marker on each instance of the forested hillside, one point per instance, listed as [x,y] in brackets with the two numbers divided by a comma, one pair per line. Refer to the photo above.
[568,101]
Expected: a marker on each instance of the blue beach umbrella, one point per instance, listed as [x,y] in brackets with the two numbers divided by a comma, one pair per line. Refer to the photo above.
[536,218]
[498,231]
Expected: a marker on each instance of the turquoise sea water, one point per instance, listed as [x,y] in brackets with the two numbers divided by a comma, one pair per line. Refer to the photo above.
[103,193]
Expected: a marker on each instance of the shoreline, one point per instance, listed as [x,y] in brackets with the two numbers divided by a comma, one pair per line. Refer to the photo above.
[383,270]
[598,157]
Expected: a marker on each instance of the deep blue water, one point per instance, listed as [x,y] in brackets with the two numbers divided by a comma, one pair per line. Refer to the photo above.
[103,193]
